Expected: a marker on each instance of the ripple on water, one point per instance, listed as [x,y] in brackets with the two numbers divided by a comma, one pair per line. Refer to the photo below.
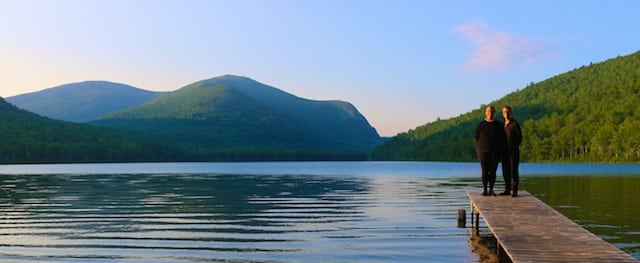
[248,218]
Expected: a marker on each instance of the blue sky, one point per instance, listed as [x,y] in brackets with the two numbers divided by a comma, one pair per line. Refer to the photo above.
[401,63]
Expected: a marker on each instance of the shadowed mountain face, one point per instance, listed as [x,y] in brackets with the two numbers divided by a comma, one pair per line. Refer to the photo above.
[232,112]
[82,101]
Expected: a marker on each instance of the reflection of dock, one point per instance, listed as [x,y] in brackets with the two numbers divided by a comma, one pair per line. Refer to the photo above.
[528,230]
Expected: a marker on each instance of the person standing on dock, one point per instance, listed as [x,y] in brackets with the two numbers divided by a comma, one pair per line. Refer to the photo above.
[490,143]
[511,157]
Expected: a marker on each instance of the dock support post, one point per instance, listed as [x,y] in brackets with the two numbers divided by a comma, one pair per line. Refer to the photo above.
[462,218]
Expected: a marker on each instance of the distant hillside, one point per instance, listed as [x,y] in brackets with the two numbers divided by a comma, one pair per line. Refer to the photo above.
[589,114]
[82,101]
[26,137]
[231,117]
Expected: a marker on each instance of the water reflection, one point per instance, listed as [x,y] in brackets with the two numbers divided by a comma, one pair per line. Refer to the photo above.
[605,205]
[277,218]
[243,218]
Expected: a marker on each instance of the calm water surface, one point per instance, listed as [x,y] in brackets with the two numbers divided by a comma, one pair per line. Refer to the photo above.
[281,212]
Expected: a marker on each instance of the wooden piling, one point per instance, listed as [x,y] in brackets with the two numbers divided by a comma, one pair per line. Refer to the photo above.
[462,218]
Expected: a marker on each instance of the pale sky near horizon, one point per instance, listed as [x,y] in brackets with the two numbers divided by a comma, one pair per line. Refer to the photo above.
[401,63]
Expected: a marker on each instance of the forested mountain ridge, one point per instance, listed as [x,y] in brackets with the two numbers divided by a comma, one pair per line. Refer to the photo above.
[26,137]
[82,101]
[336,122]
[237,118]
[589,114]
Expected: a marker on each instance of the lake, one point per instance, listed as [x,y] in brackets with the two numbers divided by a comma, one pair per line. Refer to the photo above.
[283,211]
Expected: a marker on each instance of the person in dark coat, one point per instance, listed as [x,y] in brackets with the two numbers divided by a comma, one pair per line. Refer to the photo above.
[511,157]
[490,141]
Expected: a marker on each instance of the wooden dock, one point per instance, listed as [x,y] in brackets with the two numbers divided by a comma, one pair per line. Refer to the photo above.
[528,230]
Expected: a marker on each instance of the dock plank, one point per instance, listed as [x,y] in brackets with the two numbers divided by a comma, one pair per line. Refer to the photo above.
[528,230]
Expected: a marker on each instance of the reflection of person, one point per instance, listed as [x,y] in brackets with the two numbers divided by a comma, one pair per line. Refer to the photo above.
[511,157]
[490,139]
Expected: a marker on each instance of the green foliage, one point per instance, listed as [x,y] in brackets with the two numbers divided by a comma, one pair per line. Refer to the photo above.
[29,138]
[236,118]
[331,124]
[227,118]
[589,114]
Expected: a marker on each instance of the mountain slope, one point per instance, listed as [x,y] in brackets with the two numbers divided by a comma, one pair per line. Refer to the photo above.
[239,116]
[333,121]
[82,101]
[589,114]
[30,138]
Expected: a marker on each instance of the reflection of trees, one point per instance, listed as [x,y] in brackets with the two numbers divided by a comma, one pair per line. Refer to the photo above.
[606,205]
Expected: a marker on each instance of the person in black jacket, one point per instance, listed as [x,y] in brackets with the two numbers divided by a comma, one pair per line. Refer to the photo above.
[511,157]
[490,141]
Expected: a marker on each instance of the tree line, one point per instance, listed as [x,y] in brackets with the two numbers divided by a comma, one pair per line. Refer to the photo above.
[26,137]
[588,114]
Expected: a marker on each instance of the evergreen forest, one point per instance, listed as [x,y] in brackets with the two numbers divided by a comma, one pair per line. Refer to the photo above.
[26,137]
[232,118]
[589,114]
[227,118]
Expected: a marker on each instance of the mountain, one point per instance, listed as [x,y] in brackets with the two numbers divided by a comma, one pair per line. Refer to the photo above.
[589,114]
[26,137]
[82,101]
[237,116]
